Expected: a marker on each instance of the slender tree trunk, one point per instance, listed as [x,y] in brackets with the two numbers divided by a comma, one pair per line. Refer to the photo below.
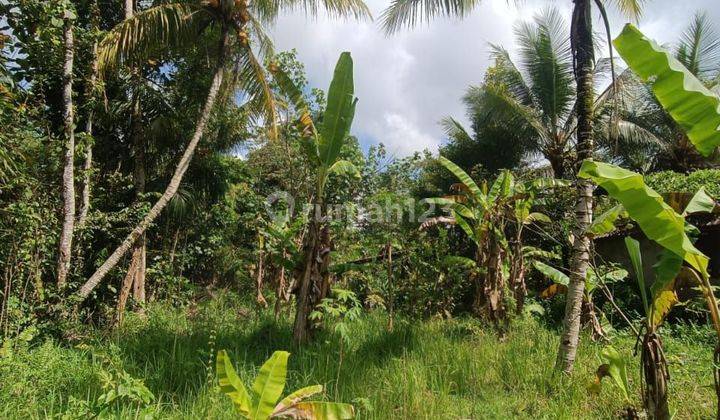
[139,179]
[87,164]
[391,287]
[259,298]
[175,181]
[68,190]
[135,277]
[582,41]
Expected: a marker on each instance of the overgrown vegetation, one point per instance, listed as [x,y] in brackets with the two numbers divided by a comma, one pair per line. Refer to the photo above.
[180,210]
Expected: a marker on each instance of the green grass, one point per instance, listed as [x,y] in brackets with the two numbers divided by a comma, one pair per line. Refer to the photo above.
[438,369]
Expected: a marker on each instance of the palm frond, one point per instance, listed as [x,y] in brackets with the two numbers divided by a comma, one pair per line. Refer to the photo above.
[507,74]
[268,10]
[699,47]
[408,13]
[252,80]
[632,9]
[152,31]
[491,103]
[454,130]
[547,61]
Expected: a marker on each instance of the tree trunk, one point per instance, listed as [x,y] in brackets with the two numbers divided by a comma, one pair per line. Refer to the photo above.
[655,375]
[139,179]
[517,274]
[582,41]
[68,189]
[259,276]
[391,286]
[175,181]
[314,279]
[87,165]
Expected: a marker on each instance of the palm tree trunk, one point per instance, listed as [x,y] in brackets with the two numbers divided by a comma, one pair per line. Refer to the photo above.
[68,189]
[582,41]
[135,277]
[176,179]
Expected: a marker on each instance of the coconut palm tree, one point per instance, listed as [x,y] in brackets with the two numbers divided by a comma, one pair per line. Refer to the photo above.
[242,42]
[647,138]
[402,13]
[532,101]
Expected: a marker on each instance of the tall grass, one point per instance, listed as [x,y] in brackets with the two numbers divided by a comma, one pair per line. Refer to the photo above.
[437,369]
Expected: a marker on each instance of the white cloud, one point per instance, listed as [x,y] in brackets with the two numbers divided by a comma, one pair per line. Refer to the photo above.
[407,82]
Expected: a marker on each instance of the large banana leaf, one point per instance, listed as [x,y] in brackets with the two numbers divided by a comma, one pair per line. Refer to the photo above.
[294,94]
[657,220]
[296,397]
[269,385]
[552,273]
[684,97]
[464,178]
[231,385]
[319,410]
[339,112]
[605,223]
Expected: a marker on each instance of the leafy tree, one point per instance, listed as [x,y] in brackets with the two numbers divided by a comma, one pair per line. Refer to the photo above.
[322,146]
[177,24]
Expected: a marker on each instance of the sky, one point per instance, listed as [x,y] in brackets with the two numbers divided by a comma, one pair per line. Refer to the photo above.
[406,83]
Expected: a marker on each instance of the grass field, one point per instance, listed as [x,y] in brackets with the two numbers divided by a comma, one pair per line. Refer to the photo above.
[438,369]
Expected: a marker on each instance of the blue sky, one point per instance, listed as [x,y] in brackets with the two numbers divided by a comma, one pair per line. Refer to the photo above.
[407,82]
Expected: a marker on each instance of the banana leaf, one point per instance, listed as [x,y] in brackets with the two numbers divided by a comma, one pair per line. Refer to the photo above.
[339,112]
[694,107]
[657,220]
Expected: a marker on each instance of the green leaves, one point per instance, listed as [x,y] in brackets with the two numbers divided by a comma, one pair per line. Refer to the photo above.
[152,30]
[339,113]
[557,276]
[230,383]
[269,384]
[614,366]
[657,220]
[464,178]
[694,107]
[262,402]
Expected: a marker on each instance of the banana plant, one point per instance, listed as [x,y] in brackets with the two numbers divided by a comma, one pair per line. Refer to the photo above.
[596,278]
[322,143]
[485,215]
[693,106]
[263,401]
[679,261]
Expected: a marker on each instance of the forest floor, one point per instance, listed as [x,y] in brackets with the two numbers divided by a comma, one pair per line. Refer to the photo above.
[435,369]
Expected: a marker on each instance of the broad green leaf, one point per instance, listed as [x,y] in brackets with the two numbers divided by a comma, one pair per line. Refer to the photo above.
[230,383]
[501,187]
[666,269]
[657,220]
[465,226]
[344,167]
[464,178]
[296,397]
[452,205]
[458,261]
[700,203]
[552,273]
[633,248]
[339,112]
[533,252]
[615,367]
[536,217]
[546,183]
[694,107]
[605,223]
[269,385]
[318,410]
